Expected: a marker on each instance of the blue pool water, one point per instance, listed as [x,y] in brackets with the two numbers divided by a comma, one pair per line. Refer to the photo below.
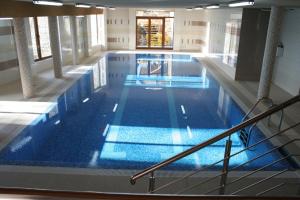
[131,111]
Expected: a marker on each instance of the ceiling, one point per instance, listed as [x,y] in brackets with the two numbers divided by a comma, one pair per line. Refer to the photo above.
[176,3]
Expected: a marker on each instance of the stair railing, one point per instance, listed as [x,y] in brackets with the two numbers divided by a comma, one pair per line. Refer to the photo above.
[223,183]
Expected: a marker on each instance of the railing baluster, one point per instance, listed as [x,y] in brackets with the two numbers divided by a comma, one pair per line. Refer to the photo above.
[225,166]
[151,183]
[281,118]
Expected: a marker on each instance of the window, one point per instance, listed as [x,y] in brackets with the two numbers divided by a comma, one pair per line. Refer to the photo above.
[96,30]
[40,38]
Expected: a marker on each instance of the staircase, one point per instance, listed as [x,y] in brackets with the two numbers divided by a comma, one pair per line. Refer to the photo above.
[234,180]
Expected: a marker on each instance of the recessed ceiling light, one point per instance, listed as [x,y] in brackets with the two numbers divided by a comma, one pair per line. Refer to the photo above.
[48,2]
[241,3]
[189,9]
[6,18]
[213,6]
[80,5]
[198,8]
[100,7]
[112,8]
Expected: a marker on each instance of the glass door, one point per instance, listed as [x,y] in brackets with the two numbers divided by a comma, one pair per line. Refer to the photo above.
[142,33]
[154,32]
[157,33]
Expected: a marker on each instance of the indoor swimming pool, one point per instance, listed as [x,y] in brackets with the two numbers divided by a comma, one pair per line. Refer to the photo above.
[130,111]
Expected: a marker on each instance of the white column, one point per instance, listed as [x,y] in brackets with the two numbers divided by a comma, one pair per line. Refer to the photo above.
[86,37]
[104,32]
[23,57]
[55,46]
[132,29]
[74,34]
[270,52]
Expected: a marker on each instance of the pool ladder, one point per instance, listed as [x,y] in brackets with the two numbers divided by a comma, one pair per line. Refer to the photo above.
[232,186]
[245,134]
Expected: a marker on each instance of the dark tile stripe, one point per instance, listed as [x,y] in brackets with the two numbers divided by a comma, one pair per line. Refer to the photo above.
[8,64]
[199,23]
[6,30]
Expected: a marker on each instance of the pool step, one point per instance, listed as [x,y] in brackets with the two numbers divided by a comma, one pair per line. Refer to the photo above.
[244,136]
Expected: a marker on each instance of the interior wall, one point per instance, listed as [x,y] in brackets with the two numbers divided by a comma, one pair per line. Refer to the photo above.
[8,53]
[252,44]
[190,30]
[218,19]
[118,23]
[287,68]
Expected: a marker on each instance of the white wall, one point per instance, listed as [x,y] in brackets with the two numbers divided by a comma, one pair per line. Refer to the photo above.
[187,34]
[287,67]
[190,27]
[217,19]
[118,28]
[7,52]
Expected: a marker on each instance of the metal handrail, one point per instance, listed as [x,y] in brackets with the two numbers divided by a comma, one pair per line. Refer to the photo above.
[275,187]
[270,189]
[245,149]
[236,167]
[259,182]
[227,133]
[252,108]
[253,172]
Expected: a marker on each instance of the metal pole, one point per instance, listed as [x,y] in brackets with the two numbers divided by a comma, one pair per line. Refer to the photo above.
[281,118]
[151,183]
[225,167]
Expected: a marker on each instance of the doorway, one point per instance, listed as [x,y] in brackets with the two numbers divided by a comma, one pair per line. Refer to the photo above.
[154,32]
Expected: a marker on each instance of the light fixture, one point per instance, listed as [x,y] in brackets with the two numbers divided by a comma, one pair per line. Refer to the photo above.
[48,2]
[80,5]
[6,18]
[198,8]
[241,3]
[189,9]
[112,8]
[213,6]
[100,7]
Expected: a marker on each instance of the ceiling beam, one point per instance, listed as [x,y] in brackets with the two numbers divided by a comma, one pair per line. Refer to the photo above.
[11,8]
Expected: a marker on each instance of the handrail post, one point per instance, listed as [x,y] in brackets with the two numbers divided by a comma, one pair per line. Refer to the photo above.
[225,166]
[281,119]
[151,183]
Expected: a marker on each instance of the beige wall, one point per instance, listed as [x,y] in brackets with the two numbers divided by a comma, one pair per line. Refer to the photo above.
[287,67]
[118,23]
[190,29]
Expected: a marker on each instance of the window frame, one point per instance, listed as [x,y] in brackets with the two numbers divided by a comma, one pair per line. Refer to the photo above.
[38,41]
